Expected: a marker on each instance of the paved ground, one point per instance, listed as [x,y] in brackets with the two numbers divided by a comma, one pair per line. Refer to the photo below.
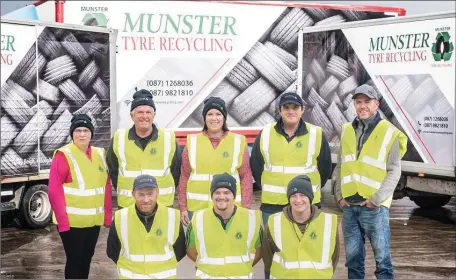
[423,246]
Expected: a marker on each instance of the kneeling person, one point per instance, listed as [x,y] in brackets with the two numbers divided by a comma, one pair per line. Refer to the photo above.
[301,242]
[141,236]
[225,240]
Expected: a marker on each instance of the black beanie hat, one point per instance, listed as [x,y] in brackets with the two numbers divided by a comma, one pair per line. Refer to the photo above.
[142,97]
[224,180]
[81,120]
[214,103]
[300,184]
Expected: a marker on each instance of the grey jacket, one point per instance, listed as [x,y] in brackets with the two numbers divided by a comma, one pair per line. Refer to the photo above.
[393,164]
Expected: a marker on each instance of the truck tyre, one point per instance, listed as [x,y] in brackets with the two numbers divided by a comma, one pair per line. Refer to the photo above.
[330,20]
[47,92]
[431,202]
[328,87]
[270,66]
[73,92]
[77,51]
[347,86]
[338,67]
[355,15]
[315,99]
[336,117]
[25,142]
[49,45]
[25,73]
[285,34]
[56,136]
[319,14]
[44,107]
[243,75]
[14,104]
[290,60]
[59,69]
[101,89]
[35,210]
[9,132]
[92,106]
[319,118]
[262,120]
[89,74]
[254,100]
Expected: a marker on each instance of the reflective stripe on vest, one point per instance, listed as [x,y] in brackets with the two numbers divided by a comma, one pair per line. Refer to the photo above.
[192,193]
[364,173]
[325,257]
[275,177]
[202,275]
[147,258]
[203,255]
[160,275]
[152,172]
[308,168]
[81,183]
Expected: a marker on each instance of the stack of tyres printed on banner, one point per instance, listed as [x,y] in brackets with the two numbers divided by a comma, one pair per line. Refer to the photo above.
[73,78]
[252,88]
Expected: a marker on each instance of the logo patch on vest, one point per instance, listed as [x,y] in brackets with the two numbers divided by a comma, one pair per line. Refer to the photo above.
[153,151]
[100,168]
[158,232]
[299,145]
[238,235]
[225,154]
[313,235]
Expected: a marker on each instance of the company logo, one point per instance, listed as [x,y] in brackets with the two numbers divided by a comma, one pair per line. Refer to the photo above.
[95,19]
[443,48]
[226,154]
[313,235]
[100,168]
[238,235]
[153,151]
[298,145]
[158,232]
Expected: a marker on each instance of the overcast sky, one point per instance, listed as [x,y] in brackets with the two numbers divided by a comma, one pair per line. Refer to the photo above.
[412,7]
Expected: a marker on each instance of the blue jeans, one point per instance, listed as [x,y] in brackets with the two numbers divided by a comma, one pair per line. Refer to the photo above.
[358,222]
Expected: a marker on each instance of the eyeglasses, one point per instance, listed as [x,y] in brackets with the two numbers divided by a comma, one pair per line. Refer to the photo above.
[81,130]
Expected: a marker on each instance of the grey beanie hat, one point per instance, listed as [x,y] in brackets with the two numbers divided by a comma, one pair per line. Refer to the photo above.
[300,184]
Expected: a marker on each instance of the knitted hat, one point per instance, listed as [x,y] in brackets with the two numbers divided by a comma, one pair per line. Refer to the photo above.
[300,184]
[81,120]
[214,103]
[142,97]
[224,180]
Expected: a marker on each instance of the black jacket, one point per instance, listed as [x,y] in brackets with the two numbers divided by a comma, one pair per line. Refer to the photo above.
[113,163]
[324,163]
[113,244]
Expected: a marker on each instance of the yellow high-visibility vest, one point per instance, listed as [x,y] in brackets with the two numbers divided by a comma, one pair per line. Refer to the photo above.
[84,196]
[364,174]
[155,160]
[205,162]
[147,255]
[283,161]
[226,254]
[309,257]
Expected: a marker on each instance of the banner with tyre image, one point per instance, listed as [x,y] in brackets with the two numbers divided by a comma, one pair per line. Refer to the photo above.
[57,73]
[186,51]
[415,80]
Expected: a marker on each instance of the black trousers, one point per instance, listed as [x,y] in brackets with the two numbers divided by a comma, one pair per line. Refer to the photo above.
[79,245]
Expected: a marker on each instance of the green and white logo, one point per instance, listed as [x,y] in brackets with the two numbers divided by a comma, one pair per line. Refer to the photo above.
[95,19]
[442,49]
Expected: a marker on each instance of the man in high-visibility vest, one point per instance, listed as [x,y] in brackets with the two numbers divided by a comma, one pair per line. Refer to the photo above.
[301,242]
[285,149]
[80,196]
[225,240]
[146,240]
[144,149]
[367,172]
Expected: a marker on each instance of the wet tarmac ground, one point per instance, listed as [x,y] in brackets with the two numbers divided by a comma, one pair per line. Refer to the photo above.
[423,246]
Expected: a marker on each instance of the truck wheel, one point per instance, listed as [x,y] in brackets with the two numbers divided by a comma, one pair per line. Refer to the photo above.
[35,209]
[431,202]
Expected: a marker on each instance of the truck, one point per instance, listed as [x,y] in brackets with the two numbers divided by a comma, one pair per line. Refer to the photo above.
[182,51]
[410,63]
[49,72]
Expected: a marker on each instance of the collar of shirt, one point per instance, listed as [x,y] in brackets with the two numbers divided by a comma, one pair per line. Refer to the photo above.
[300,130]
[146,218]
[153,136]
[222,220]
[215,138]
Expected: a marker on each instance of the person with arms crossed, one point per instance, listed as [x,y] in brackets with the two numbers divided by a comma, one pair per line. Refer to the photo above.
[144,149]
[212,151]
[367,172]
[224,241]
[80,196]
[146,240]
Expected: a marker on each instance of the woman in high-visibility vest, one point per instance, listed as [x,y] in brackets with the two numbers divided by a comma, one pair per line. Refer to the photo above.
[215,150]
[80,196]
